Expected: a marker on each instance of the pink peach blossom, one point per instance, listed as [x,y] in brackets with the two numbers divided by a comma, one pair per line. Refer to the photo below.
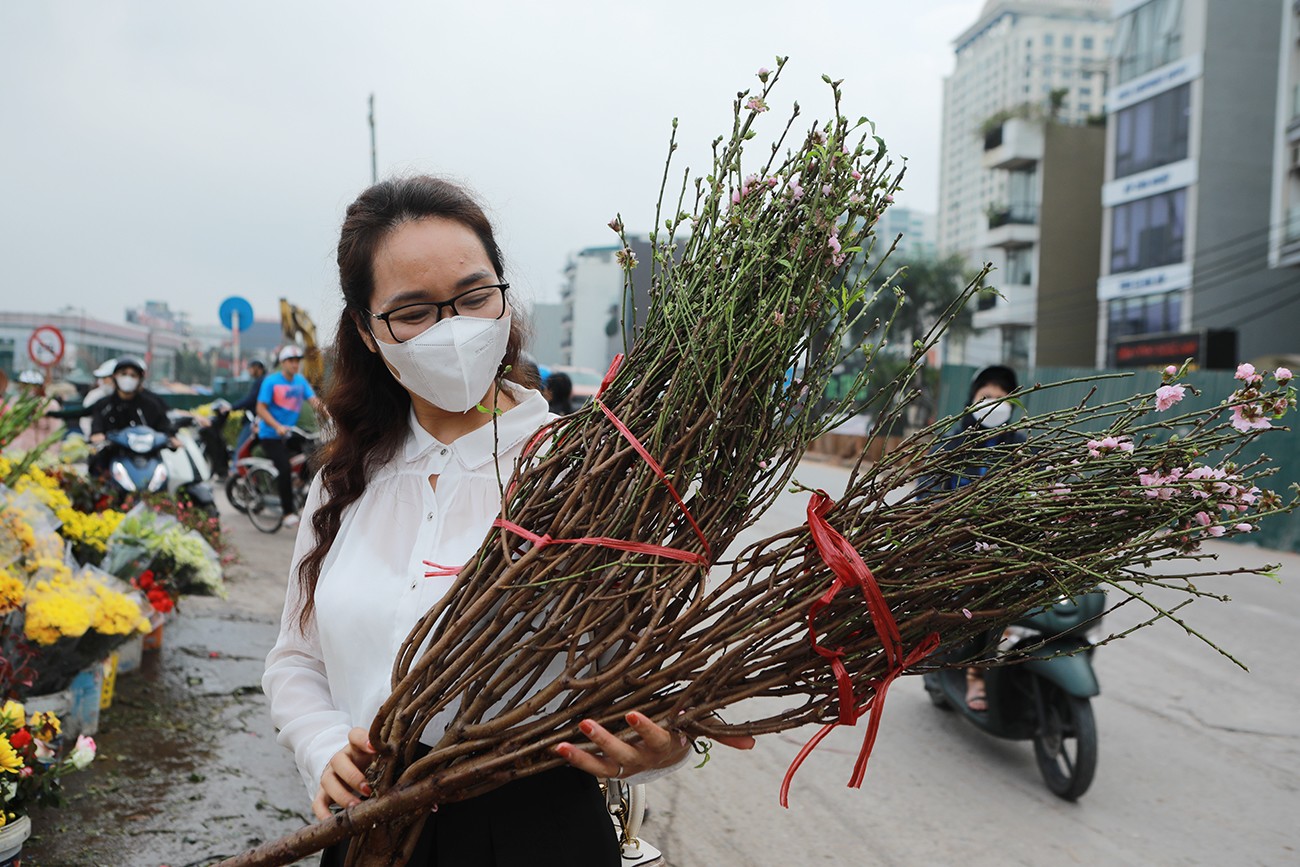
[1168,395]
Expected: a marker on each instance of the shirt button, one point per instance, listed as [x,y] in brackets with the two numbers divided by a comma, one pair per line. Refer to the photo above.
[429,517]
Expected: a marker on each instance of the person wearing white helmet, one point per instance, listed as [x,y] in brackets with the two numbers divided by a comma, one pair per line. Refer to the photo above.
[279,404]
[104,386]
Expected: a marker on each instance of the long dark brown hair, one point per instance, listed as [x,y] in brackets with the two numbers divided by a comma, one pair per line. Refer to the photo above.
[367,406]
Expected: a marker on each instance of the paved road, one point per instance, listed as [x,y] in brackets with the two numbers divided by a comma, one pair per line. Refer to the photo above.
[1200,761]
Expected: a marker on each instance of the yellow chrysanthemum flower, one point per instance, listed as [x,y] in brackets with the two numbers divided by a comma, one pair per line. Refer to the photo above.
[91,529]
[44,487]
[9,759]
[44,725]
[12,593]
[55,615]
[13,715]
[116,613]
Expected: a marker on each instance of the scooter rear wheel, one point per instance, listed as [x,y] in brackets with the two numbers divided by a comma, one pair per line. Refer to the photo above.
[264,510]
[1066,742]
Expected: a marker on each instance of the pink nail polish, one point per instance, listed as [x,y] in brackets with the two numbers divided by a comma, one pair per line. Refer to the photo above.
[586,727]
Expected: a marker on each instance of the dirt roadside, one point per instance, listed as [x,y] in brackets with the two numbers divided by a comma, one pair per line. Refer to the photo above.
[188,768]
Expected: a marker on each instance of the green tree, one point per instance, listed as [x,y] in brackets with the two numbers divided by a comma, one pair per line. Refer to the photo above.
[928,286]
[192,367]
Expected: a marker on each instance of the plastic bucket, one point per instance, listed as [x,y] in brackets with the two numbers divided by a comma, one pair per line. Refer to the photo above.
[12,837]
[87,688]
[129,655]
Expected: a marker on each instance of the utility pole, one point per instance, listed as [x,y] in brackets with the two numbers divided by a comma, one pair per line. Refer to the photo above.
[374,162]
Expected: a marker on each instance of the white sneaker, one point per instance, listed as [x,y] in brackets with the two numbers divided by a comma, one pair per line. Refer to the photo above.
[290,521]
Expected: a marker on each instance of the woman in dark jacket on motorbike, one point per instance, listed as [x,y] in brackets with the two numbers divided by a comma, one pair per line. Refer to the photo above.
[985,423]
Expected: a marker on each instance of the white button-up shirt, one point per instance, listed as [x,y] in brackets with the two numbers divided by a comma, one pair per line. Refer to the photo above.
[372,587]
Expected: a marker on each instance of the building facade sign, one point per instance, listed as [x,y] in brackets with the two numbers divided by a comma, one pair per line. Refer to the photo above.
[1152,182]
[1155,82]
[1167,279]
[1210,349]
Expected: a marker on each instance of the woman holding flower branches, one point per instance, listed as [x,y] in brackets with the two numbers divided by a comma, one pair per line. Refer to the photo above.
[431,412]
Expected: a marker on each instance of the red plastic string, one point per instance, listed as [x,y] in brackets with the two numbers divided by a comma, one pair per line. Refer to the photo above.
[610,374]
[440,571]
[851,571]
[604,542]
[659,471]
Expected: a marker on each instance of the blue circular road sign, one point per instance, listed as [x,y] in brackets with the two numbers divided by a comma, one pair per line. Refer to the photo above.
[236,306]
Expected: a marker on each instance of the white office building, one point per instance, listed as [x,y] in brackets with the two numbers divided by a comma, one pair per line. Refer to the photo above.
[916,228]
[1010,62]
[1029,59]
[592,297]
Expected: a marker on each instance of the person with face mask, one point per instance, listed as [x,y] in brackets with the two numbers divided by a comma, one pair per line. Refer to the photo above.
[431,406]
[279,403]
[129,404]
[986,424]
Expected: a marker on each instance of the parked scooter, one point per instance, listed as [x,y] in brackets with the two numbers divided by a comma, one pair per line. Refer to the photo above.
[1046,697]
[141,462]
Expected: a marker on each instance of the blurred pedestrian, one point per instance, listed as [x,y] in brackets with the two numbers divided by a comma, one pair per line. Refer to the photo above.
[248,403]
[560,396]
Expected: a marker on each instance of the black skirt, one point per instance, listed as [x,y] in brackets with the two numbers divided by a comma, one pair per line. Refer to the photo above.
[556,818]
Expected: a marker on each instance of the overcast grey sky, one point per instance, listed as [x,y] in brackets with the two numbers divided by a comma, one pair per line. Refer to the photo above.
[187,151]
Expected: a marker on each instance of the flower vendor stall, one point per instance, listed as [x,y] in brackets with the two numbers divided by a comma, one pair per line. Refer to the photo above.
[83,586]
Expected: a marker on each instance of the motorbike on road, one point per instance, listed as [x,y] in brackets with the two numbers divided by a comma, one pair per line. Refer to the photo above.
[254,488]
[140,462]
[1046,696]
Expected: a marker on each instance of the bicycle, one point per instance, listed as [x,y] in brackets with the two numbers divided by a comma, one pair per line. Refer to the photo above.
[259,487]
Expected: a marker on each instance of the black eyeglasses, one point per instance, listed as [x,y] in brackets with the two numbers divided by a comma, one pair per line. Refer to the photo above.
[412,320]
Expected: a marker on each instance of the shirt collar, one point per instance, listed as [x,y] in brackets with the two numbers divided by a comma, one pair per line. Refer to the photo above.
[477,447]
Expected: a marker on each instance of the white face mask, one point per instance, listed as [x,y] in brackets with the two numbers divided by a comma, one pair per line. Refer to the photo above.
[990,415]
[452,364]
[127,383]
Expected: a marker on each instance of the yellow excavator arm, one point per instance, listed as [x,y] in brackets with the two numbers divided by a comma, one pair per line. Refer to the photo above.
[298,328]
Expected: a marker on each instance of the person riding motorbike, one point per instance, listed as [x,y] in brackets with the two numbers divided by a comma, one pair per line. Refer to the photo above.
[984,424]
[278,406]
[129,404]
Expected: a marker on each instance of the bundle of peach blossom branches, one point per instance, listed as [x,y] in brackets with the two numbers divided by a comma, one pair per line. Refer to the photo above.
[592,595]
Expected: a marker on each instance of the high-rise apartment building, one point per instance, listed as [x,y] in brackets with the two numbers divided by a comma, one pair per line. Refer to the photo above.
[1191,131]
[1032,59]
[1011,61]
[916,228]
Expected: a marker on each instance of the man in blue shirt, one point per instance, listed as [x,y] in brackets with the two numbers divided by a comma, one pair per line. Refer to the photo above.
[279,402]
